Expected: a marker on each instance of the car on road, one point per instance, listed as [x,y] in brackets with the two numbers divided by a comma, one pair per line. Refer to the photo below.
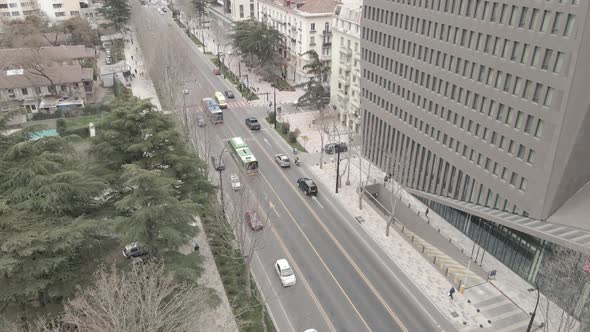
[282,160]
[164,9]
[229,94]
[285,273]
[308,186]
[235,182]
[335,148]
[253,221]
[218,164]
[201,121]
[252,123]
[134,250]
[216,71]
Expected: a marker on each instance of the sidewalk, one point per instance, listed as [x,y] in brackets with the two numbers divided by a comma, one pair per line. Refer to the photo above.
[499,305]
[219,318]
[235,64]
[141,86]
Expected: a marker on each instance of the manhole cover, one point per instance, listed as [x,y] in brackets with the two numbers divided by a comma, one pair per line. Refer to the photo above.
[360,219]
[454,314]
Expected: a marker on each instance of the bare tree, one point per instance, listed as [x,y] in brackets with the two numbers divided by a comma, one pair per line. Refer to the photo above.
[398,168]
[244,239]
[565,279]
[143,299]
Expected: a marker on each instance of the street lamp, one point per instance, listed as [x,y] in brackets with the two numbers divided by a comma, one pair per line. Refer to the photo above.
[220,170]
[184,93]
[528,329]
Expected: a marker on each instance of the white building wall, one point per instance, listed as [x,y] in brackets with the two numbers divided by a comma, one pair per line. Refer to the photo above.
[16,9]
[302,32]
[344,81]
[59,10]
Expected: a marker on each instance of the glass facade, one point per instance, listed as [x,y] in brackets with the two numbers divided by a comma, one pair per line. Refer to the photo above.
[518,251]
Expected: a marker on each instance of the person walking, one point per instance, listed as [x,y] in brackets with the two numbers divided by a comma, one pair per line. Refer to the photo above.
[426,213]
[451,292]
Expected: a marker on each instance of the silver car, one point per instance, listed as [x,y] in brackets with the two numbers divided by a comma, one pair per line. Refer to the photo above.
[282,160]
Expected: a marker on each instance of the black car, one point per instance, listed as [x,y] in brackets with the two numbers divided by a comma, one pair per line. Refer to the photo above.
[218,165]
[252,123]
[308,186]
[229,94]
[335,148]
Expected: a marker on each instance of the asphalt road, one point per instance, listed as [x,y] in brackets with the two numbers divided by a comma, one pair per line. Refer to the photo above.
[344,280]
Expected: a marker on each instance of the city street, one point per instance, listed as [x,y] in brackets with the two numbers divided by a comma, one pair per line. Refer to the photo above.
[344,280]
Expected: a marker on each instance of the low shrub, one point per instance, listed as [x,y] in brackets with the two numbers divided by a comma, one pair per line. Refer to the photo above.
[285,126]
[292,137]
[60,126]
[80,131]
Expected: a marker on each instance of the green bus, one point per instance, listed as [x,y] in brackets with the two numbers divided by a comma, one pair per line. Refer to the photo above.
[243,155]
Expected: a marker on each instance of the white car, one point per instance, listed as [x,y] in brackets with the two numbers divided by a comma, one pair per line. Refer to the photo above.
[235,182]
[285,273]
[282,160]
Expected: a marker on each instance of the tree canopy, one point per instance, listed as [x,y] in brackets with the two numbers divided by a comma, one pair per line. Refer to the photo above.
[116,11]
[256,40]
[316,92]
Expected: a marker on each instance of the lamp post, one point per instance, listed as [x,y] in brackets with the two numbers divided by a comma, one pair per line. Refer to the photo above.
[528,329]
[220,170]
[274,93]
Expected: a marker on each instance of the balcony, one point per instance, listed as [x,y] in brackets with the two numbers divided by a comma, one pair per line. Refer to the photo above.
[326,33]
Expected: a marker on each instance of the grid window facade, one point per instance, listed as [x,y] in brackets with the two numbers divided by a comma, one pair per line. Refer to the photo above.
[464,97]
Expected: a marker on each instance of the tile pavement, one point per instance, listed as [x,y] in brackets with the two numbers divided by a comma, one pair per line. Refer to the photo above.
[503,303]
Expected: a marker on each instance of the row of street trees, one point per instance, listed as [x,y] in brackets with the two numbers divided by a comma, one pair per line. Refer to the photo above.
[35,31]
[64,208]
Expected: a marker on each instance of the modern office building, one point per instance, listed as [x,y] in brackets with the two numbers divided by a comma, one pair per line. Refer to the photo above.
[483,106]
[346,64]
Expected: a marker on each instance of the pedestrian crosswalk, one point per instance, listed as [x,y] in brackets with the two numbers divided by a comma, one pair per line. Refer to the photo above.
[238,103]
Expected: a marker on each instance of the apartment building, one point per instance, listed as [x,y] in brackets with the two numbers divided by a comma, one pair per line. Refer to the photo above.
[481,108]
[47,78]
[304,25]
[345,78]
[59,10]
[223,13]
[17,9]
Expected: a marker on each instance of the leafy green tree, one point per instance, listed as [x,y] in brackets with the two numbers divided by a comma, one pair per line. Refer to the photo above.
[81,31]
[116,11]
[46,240]
[156,217]
[256,40]
[136,133]
[316,92]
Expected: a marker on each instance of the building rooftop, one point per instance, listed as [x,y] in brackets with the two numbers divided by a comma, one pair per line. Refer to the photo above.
[119,67]
[307,6]
[26,78]
[14,56]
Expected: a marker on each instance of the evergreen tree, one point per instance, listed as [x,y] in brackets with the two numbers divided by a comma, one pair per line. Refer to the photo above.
[116,11]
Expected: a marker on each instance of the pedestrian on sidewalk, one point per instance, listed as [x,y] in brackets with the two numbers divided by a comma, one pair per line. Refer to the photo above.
[426,213]
[136,70]
[451,292]
[132,57]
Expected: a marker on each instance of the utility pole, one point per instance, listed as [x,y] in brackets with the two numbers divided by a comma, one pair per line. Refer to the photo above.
[528,329]
[337,166]
[221,188]
[274,92]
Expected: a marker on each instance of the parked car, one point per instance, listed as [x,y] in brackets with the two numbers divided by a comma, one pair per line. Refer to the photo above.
[218,165]
[252,123]
[108,60]
[229,94]
[308,186]
[285,273]
[134,250]
[201,121]
[108,51]
[335,148]
[282,160]
[216,71]
[253,221]
[235,182]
